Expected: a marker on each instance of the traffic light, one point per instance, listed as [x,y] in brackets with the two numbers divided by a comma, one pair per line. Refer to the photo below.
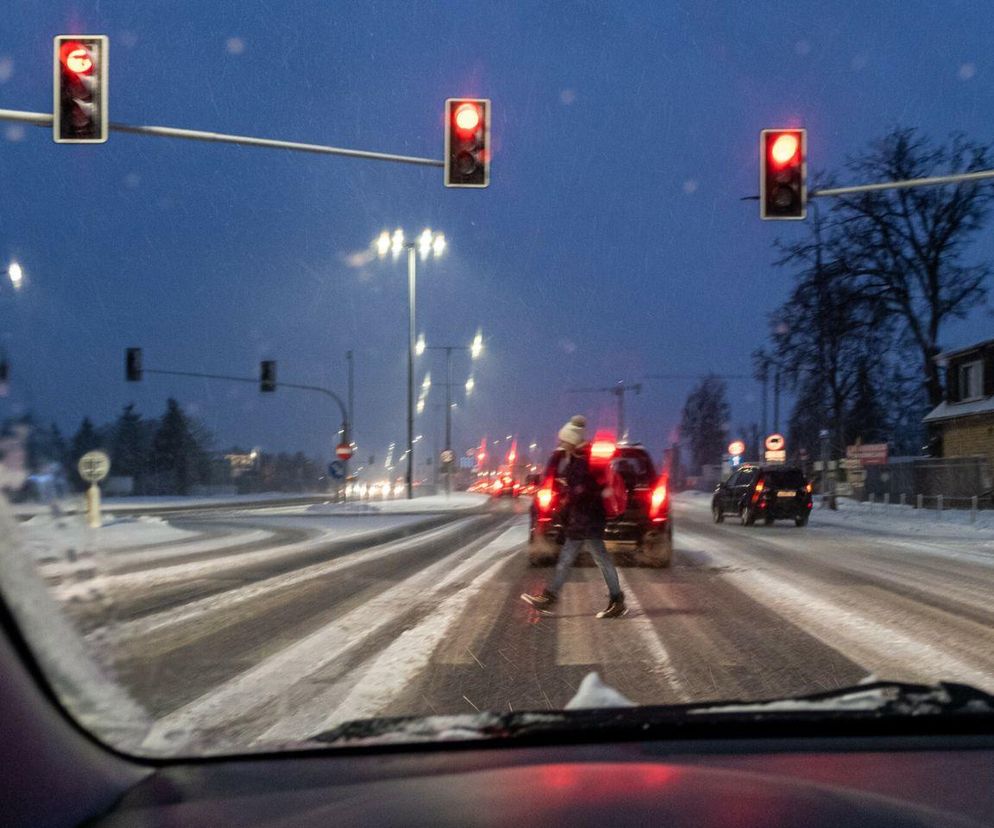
[467,142]
[80,89]
[133,364]
[783,174]
[267,375]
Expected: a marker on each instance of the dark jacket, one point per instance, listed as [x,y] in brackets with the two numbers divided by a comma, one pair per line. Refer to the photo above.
[583,517]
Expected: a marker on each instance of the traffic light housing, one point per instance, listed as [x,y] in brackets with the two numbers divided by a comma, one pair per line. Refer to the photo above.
[80,89]
[267,375]
[467,142]
[133,364]
[783,174]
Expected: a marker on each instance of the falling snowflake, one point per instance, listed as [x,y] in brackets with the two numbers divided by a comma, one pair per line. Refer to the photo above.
[234,46]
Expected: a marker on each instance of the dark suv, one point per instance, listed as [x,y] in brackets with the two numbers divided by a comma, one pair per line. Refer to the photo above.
[765,493]
[644,529]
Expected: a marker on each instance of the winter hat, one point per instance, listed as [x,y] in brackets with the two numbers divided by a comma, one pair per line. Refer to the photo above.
[574,432]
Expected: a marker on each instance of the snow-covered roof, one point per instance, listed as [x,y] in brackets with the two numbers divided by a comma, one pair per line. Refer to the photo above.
[950,411]
[945,355]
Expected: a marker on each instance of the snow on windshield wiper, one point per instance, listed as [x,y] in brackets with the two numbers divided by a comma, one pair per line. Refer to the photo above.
[876,701]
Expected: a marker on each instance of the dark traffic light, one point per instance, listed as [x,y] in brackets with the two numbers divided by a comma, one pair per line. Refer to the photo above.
[80,106]
[467,142]
[133,364]
[267,375]
[783,174]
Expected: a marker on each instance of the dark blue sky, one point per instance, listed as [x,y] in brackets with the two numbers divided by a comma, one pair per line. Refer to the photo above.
[611,244]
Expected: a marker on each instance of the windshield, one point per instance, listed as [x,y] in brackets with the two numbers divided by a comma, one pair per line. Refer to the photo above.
[301,303]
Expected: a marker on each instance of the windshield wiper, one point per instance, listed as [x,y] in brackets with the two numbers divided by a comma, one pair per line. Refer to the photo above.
[887,703]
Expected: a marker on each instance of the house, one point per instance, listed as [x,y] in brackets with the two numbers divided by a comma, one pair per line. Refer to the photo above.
[965,418]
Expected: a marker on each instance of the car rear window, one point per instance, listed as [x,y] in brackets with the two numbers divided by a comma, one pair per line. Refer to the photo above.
[635,468]
[787,478]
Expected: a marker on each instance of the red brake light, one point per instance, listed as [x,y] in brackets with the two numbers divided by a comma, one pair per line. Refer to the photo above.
[544,496]
[760,485]
[602,450]
[784,148]
[658,499]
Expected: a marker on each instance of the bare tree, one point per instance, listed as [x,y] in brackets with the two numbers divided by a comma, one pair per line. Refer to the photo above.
[907,247]
[705,422]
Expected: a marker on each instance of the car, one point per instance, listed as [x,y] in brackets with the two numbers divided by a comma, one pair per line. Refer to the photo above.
[645,528]
[505,487]
[766,493]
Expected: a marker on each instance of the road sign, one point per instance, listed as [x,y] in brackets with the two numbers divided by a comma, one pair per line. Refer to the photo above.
[94,466]
[775,442]
[736,448]
[343,451]
[448,455]
[868,454]
[336,469]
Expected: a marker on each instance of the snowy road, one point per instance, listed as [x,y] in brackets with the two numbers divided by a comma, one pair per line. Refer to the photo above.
[292,630]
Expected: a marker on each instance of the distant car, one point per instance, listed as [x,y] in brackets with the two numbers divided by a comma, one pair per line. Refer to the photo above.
[765,493]
[505,487]
[644,529]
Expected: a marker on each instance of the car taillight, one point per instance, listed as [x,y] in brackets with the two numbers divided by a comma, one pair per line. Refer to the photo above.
[544,497]
[602,450]
[497,485]
[758,492]
[657,500]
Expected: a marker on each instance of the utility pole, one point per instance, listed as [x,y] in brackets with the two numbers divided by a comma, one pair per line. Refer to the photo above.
[619,390]
[776,401]
[351,401]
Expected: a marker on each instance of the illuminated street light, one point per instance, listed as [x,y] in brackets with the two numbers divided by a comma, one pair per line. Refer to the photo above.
[470,385]
[426,243]
[419,348]
[382,244]
[426,384]
[477,347]
[16,275]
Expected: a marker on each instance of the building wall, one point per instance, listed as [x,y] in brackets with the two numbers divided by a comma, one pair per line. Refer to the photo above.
[969,437]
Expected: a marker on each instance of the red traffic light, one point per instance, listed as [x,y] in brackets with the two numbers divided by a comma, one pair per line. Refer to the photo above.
[467,117]
[785,148]
[76,58]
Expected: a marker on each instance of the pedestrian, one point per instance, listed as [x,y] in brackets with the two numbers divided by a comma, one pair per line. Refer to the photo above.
[584,520]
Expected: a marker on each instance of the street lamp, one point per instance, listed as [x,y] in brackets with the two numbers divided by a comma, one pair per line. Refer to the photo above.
[428,243]
[16,275]
[474,349]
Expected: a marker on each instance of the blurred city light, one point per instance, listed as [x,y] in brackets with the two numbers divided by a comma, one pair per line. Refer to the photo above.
[397,242]
[419,347]
[424,243]
[383,244]
[477,347]
[426,384]
[470,384]
[438,245]
[16,275]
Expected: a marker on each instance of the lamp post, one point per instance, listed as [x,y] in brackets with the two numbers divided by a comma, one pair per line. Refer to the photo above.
[426,244]
[475,349]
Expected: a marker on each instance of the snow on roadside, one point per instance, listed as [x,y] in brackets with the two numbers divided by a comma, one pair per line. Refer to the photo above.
[594,693]
[457,501]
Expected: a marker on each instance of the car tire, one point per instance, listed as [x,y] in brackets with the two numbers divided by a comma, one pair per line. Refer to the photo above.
[800,521]
[746,516]
[717,513]
[657,553]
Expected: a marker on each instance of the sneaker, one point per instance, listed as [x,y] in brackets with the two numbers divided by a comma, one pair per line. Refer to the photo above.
[541,602]
[615,609]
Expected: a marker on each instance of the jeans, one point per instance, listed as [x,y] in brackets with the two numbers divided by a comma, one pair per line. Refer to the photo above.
[567,557]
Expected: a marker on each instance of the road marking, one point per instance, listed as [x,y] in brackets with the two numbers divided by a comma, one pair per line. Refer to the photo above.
[642,626]
[227,599]
[276,675]
[881,648]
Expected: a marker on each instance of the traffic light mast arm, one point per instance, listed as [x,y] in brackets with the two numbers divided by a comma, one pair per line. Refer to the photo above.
[907,184]
[327,392]
[45,119]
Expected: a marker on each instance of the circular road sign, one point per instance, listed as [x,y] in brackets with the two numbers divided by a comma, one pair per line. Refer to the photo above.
[448,456]
[343,451]
[775,442]
[94,466]
[736,448]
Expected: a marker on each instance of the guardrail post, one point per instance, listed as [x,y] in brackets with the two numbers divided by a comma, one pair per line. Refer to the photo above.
[887,498]
[904,498]
[939,501]
[921,502]
[973,509]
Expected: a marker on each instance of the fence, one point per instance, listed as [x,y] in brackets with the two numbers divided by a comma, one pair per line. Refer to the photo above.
[933,507]
[956,479]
